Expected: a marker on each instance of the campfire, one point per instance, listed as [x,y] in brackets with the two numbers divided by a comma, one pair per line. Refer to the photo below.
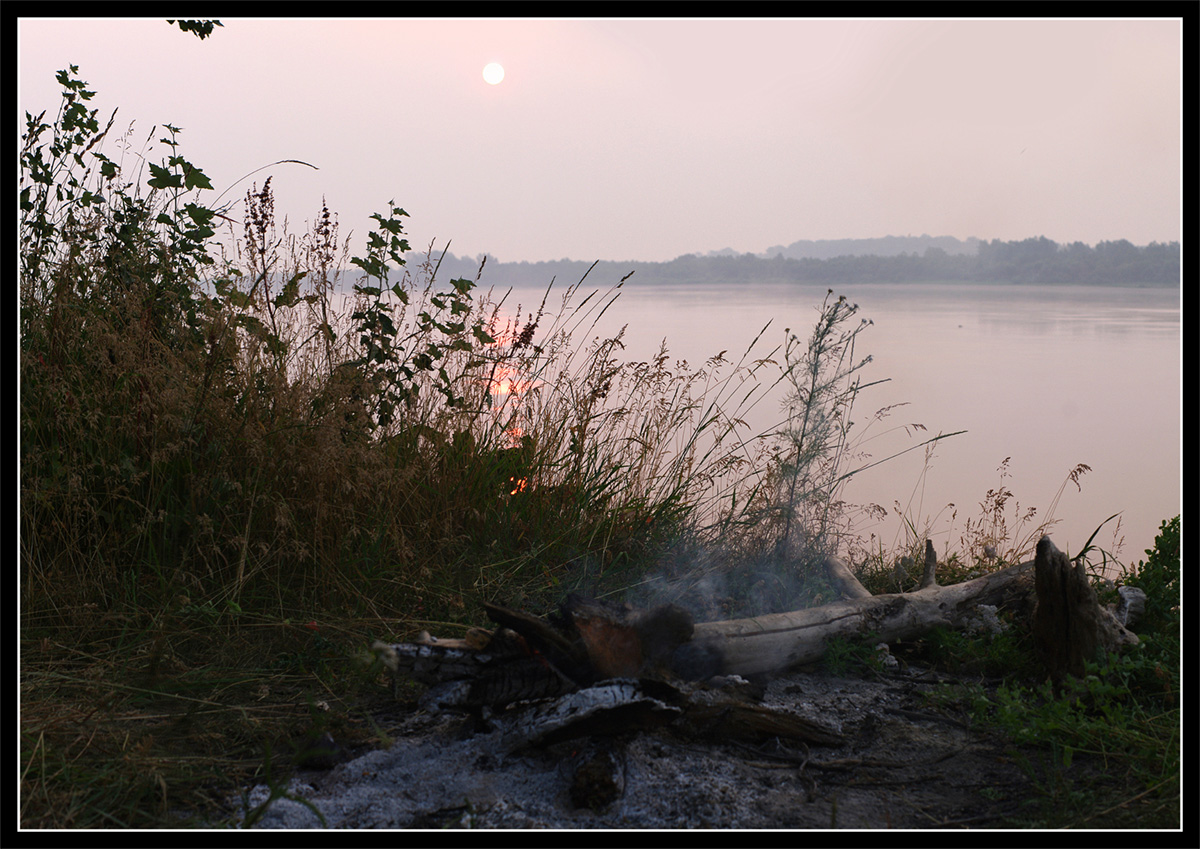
[595,668]
[599,673]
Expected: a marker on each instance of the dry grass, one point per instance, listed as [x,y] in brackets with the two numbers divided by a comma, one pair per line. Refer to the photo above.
[156,729]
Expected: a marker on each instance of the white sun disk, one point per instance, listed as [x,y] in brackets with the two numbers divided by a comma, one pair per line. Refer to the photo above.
[493,73]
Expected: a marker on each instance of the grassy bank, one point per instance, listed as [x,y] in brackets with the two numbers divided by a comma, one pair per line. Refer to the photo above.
[233,479]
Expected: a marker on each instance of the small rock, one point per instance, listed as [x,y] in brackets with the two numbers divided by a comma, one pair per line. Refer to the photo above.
[1132,605]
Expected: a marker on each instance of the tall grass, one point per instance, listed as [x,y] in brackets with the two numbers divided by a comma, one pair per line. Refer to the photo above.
[235,428]
[251,425]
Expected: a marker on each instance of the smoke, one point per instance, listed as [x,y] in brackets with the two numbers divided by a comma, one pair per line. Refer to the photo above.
[722,580]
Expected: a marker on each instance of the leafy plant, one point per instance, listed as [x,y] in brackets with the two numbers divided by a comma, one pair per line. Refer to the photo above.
[1158,577]
[1003,653]
[201,29]
[392,355]
[845,656]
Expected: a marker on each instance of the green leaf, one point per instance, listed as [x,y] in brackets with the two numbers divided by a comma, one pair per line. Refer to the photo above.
[291,292]
[255,327]
[163,179]
[200,234]
[240,299]
[195,178]
[201,29]
[200,214]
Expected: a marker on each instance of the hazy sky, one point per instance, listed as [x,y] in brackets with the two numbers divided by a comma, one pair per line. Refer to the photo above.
[648,139]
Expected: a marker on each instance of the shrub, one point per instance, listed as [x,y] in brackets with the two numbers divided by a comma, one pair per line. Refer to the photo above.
[1158,577]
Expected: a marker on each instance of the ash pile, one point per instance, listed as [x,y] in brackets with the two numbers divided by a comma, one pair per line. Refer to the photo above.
[594,669]
[607,717]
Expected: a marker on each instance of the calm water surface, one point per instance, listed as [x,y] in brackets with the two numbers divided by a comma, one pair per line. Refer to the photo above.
[1047,376]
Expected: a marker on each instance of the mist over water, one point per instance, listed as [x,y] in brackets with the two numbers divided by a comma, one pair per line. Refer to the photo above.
[1049,376]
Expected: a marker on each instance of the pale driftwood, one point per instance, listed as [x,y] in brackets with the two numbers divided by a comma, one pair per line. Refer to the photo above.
[842,578]
[774,642]
[531,658]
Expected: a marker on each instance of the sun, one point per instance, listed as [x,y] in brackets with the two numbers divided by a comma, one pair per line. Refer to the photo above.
[493,73]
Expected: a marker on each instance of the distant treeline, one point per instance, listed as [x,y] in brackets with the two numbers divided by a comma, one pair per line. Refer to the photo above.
[884,246]
[1031,261]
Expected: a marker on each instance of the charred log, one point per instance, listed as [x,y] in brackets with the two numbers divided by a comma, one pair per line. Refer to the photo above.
[548,640]
[723,719]
[612,707]
[597,774]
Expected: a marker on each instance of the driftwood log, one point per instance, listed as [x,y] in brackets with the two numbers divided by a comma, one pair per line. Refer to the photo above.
[1069,624]
[599,667]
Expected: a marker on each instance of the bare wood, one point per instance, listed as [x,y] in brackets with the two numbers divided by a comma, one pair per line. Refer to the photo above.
[929,579]
[1069,626]
[844,579]
[771,643]
[777,641]
[774,642]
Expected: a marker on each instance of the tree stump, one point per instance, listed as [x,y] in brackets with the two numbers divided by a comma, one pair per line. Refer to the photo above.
[1069,627]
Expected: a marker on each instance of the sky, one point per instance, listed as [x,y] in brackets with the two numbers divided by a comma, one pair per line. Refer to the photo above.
[641,139]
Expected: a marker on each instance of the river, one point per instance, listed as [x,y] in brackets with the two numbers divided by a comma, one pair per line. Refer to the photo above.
[1047,377]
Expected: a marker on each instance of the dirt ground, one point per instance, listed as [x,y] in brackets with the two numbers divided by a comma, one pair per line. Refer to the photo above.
[903,763]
